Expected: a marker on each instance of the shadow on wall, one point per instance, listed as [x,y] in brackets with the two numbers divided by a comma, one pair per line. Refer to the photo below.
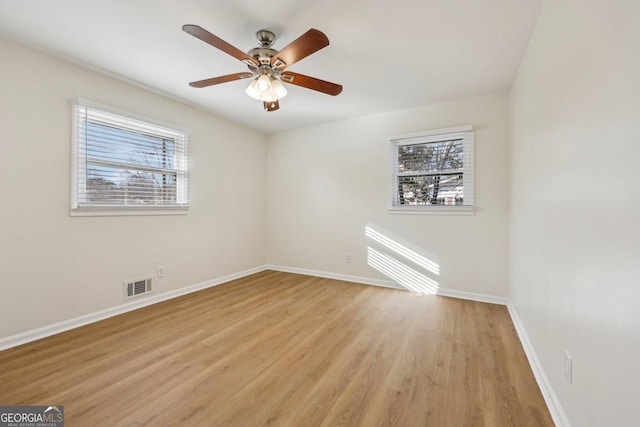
[389,254]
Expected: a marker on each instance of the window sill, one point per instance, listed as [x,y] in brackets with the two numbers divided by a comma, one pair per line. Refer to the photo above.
[128,211]
[432,210]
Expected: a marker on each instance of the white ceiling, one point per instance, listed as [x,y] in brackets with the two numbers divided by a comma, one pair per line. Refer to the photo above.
[388,55]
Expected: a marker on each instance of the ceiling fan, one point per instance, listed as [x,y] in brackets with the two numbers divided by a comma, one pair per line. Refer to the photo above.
[268,66]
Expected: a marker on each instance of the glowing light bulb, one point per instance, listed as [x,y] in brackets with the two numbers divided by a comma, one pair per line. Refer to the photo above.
[278,89]
[252,91]
[263,83]
[268,89]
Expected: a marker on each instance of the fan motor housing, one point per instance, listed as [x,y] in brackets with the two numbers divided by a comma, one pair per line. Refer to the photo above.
[262,54]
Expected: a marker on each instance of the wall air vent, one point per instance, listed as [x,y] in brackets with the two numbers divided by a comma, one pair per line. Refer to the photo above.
[137,288]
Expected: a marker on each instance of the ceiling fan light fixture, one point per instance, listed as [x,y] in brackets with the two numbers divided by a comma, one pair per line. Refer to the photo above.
[274,89]
[263,84]
[278,89]
[269,98]
[252,90]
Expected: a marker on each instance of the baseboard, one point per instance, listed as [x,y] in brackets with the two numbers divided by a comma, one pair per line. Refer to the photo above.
[336,276]
[557,413]
[56,328]
[389,284]
[473,296]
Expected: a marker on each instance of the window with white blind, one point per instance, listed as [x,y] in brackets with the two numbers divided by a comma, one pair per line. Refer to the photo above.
[433,171]
[127,166]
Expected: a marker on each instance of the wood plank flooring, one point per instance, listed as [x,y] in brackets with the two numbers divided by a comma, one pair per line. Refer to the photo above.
[279,349]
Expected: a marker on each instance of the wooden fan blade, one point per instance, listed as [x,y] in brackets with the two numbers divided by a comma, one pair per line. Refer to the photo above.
[217,42]
[221,79]
[311,83]
[271,106]
[308,43]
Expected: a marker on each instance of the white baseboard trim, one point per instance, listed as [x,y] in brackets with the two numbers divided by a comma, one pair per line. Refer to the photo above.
[473,296]
[388,284]
[56,328]
[557,413]
[336,276]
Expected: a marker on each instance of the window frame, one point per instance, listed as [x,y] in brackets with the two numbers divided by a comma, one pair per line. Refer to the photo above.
[77,208]
[431,136]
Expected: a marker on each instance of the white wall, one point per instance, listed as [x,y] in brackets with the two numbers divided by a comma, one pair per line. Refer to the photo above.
[327,182]
[54,267]
[575,229]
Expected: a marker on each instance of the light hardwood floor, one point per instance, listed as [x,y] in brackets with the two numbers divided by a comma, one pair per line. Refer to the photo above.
[281,349]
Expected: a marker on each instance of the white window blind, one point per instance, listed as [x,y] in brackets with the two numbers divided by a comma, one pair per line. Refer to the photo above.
[122,162]
[433,169]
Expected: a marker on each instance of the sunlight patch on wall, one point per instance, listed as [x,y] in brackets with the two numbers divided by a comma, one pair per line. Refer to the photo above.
[401,273]
[395,244]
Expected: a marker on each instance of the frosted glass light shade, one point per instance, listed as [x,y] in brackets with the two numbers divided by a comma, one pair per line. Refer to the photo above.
[278,89]
[263,84]
[266,88]
[252,91]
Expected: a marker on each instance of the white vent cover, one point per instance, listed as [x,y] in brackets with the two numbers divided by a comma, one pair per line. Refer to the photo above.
[136,288]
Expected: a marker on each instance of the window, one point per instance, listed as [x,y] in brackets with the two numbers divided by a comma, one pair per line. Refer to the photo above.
[123,165]
[433,171]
